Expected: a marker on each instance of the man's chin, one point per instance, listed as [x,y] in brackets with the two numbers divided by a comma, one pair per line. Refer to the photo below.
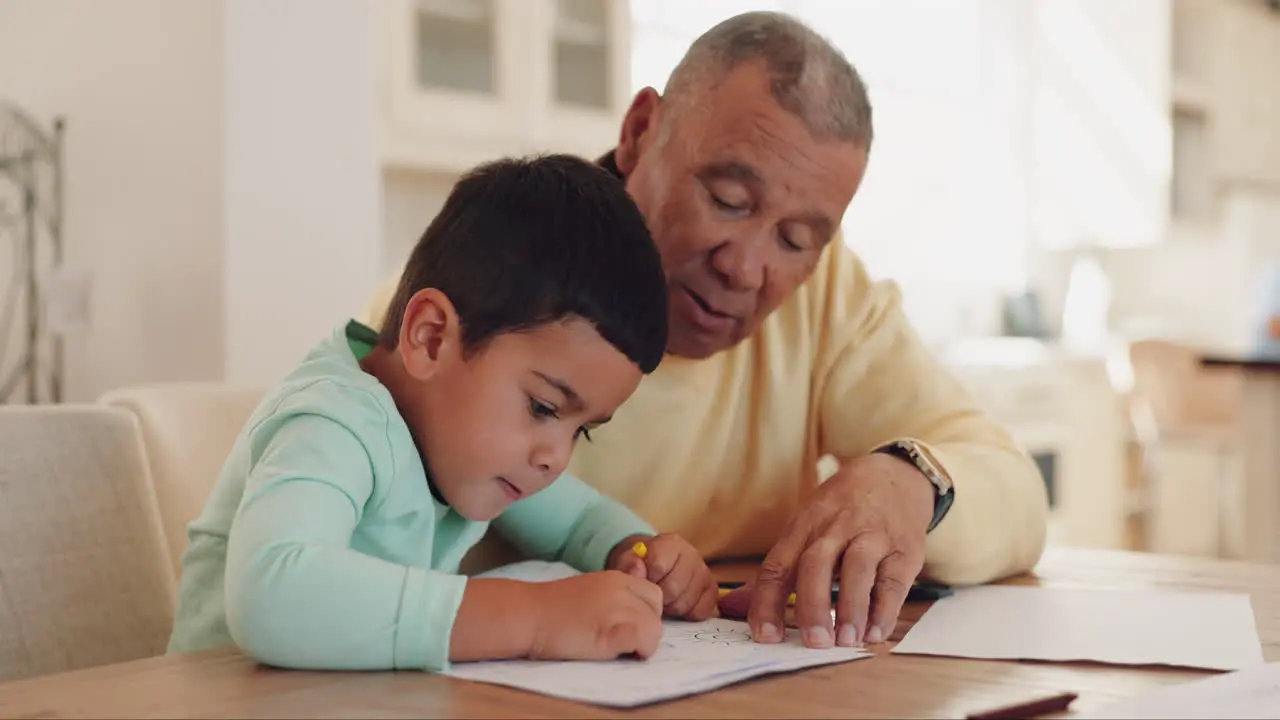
[696,345]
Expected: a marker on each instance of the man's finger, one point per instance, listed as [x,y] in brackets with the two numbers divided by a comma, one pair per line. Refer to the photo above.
[857,577]
[813,590]
[773,584]
[736,604]
[896,573]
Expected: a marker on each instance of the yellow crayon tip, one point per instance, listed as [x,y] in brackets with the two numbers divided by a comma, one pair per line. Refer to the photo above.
[791,599]
[640,549]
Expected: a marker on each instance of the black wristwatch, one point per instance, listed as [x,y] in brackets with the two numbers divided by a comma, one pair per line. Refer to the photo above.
[916,454]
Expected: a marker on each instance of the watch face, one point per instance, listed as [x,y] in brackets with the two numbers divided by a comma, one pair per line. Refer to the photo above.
[929,467]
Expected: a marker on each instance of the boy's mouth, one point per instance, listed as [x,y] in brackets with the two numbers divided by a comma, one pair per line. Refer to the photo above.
[513,492]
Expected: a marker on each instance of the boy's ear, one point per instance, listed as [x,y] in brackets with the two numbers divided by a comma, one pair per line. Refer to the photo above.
[429,333]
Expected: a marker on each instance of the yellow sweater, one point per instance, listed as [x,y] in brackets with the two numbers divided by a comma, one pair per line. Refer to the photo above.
[724,450]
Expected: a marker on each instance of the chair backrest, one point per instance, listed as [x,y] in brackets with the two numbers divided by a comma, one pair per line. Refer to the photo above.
[188,430]
[83,573]
[1183,395]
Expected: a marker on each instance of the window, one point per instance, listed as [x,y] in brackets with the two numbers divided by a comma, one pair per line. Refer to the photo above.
[943,208]
[1191,189]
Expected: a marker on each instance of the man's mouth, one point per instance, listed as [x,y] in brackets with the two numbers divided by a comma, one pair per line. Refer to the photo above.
[707,307]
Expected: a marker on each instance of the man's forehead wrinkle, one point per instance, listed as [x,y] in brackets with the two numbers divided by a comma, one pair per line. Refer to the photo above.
[769,141]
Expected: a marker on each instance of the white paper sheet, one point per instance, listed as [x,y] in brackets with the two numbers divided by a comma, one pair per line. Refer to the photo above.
[1247,695]
[1126,627]
[693,658]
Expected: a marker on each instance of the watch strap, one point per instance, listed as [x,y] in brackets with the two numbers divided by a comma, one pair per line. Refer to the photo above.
[943,491]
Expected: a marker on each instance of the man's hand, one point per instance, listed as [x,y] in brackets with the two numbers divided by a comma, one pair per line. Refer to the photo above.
[688,589]
[865,525]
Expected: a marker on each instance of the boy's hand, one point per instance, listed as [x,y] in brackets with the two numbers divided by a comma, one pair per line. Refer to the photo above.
[595,616]
[688,589]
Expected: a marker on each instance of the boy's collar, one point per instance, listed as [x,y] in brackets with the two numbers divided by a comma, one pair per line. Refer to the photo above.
[363,339]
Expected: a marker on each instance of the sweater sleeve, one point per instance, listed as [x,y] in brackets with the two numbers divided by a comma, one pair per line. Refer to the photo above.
[879,383]
[570,522]
[296,595]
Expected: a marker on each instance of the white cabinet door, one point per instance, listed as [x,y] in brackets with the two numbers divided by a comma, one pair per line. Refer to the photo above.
[465,81]
[590,74]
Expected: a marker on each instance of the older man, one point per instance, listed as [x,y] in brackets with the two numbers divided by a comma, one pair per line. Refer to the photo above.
[783,351]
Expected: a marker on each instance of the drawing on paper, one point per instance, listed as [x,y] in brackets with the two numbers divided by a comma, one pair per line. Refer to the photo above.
[714,633]
[693,657]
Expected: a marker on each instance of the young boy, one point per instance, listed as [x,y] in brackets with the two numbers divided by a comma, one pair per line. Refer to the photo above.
[527,313]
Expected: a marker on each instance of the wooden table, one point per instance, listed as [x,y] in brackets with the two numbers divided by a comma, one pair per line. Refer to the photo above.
[1259,454]
[225,683]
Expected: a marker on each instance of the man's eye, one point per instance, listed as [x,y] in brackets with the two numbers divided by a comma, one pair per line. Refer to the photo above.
[791,244]
[724,204]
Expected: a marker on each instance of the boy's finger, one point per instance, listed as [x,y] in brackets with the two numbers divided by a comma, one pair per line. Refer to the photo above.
[632,565]
[648,592]
[687,596]
[664,556]
[705,607]
[675,585]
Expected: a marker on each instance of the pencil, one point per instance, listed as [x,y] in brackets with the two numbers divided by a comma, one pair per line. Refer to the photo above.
[791,599]
[1031,709]
[918,592]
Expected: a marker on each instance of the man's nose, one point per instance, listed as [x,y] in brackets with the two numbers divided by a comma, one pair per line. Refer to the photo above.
[740,262]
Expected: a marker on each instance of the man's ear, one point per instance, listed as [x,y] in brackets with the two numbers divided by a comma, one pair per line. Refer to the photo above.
[429,333]
[638,128]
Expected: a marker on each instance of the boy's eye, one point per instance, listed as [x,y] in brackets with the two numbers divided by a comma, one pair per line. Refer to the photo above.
[584,433]
[541,410]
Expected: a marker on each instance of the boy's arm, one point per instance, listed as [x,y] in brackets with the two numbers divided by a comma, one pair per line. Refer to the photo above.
[571,522]
[298,596]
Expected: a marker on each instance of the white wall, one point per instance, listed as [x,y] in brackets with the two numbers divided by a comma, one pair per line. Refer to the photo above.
[1199,285]
[1001,126]
[138,83]
[222,176]
[1101,162]
[410,200]
[302,190]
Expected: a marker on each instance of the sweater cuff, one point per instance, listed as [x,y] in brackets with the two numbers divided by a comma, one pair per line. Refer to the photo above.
[429,606]
[607,524]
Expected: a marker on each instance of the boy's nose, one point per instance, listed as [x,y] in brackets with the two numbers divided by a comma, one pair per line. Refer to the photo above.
[550,457]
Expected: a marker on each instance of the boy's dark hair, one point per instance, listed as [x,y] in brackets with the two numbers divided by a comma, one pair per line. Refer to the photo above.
[524,242]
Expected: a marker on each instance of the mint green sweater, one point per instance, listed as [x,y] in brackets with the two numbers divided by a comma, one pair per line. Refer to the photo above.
[322,546]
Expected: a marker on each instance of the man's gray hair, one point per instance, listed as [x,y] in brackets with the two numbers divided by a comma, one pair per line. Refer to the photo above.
[809,76]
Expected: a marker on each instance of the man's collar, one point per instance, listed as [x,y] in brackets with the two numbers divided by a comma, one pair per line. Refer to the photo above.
[609,161]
